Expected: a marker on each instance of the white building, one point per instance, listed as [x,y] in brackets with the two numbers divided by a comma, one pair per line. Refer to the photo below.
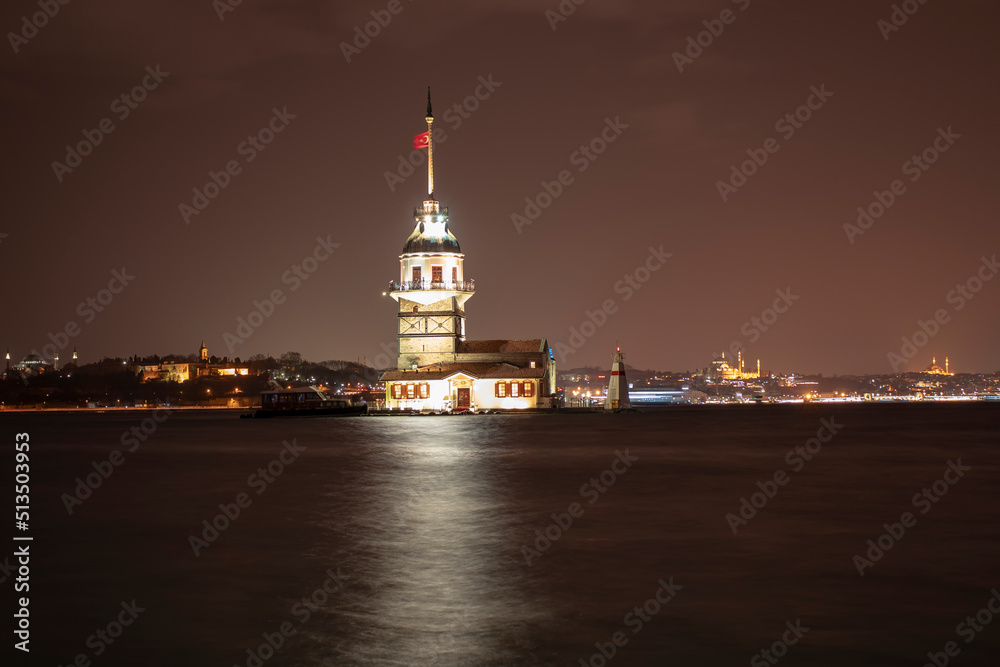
[437,368]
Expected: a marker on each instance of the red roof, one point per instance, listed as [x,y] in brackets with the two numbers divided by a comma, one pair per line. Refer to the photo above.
[472,369]
[500,346]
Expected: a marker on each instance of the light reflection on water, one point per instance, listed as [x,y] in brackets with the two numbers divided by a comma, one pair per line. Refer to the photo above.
[432,540]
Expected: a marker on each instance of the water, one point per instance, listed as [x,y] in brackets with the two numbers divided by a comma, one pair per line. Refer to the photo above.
[425,518]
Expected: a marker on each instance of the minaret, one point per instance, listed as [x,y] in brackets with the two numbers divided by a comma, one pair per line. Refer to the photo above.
[617,398]
[432,289]
[75,358]
[8,357]
[758,368]
[55,362]
[946,365]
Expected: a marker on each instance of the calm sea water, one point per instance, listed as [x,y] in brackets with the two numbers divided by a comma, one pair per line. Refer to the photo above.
[424,520]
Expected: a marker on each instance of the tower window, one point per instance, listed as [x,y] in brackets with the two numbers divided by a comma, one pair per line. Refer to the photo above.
[531,364]
[436,273]
[416,274]
[454,274]
[417,309]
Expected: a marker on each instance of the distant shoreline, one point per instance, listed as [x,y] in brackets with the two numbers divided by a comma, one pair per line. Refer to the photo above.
[989,399]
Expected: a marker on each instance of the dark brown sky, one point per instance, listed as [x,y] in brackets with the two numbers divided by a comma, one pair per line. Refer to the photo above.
[323,176]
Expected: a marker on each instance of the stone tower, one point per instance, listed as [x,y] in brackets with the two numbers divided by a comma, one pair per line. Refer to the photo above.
[432,289]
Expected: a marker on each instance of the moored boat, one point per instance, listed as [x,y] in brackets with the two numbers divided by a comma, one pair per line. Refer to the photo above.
[311,401]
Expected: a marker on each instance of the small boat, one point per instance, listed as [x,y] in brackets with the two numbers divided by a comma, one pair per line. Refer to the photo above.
[311,401]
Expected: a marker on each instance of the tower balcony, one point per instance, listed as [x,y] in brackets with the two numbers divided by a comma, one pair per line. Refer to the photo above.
[430,291]
[425,284]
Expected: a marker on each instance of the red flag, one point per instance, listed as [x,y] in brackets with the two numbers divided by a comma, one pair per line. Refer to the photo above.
[421,140]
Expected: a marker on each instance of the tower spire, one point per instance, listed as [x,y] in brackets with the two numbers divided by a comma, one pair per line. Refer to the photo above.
[430,147]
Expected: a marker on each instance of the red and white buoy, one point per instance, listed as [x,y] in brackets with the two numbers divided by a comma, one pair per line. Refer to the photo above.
[617,398]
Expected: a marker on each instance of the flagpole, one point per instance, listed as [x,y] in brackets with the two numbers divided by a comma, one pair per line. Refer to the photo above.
[430,147]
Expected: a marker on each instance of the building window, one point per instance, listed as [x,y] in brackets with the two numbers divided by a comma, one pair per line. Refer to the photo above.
[416,274]
[397,390]
[514,386]
[531,364]
[411,391]
[454,274]
[425,390]
[529,389]
[501,389]
[437,274]
[416,309]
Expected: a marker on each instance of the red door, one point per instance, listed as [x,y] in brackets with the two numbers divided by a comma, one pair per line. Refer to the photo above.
[464,401]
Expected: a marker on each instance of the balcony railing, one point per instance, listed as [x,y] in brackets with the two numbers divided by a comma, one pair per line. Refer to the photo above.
[425,284]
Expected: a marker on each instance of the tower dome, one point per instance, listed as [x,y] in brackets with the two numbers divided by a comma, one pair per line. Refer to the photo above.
[431,233]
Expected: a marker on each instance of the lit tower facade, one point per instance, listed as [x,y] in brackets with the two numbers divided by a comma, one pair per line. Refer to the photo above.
[432,289]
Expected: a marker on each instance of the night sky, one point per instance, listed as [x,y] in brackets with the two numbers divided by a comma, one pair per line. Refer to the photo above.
[886,96]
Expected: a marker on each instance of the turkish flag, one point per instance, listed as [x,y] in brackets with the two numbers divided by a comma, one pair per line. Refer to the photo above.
[421,140]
